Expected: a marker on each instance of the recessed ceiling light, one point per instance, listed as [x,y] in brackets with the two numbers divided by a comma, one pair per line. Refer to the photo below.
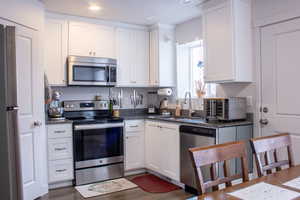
[150,18]
[187,1]
[94,7]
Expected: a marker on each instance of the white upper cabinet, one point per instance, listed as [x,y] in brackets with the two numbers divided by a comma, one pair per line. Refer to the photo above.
[228,42]
[162,56]
[56,50]
[91,40]
[133,57]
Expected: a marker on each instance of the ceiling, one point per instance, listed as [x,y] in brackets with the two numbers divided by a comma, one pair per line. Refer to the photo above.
[144,12]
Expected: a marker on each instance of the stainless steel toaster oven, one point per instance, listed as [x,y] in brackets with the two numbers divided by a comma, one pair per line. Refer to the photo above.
[225,109]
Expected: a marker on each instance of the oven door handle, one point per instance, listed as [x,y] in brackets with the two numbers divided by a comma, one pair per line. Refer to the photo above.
[97,126]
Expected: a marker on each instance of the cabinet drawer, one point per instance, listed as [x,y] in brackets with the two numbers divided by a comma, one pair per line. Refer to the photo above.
[170,126]
[59,148]
[134,125]
[59,131]
[61,170]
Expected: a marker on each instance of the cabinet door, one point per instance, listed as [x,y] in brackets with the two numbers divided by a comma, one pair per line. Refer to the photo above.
[134,150]
[82,39]
[153,146]
[141,58]
[154,58]
[245,133]
[125,53]
[166,58]
[227,134]
[170,153]
[56,47]
[218,42]
[104,41]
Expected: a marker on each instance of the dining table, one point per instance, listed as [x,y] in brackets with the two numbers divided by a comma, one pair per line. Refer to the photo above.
[277,179]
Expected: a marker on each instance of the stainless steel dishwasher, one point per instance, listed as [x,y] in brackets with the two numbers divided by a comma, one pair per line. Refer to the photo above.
[190,137]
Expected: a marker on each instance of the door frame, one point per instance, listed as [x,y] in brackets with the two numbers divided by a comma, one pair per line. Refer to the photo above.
[258,27]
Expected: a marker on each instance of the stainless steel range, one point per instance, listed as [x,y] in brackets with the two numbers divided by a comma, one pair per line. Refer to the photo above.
[97,141]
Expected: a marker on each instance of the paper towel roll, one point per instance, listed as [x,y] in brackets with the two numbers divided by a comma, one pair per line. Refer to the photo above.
[165,92]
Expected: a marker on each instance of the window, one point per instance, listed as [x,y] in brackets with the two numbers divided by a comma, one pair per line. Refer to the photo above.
[190,71]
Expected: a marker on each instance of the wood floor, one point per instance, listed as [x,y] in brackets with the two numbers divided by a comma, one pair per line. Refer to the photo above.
[70,193]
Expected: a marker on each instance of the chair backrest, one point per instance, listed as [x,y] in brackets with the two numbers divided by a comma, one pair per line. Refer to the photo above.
[211,156]
[264,146]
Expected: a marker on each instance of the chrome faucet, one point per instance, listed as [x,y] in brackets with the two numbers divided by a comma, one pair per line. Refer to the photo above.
[188,94]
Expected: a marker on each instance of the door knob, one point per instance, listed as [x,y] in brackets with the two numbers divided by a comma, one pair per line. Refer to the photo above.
[37,123]
[264,109]
[264,121]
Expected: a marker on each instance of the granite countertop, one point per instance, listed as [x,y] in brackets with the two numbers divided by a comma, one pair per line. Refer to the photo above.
[181,120]
[193,121]
[65,121]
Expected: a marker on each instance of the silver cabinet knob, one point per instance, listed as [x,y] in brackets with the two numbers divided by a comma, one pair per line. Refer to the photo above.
[264,121]
[37,123]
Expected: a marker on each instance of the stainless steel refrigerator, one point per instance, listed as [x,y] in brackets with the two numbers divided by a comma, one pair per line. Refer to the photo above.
[10,164]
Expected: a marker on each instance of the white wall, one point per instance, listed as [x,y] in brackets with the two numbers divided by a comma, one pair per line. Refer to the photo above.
[189,31]
[25,12]
[271,11]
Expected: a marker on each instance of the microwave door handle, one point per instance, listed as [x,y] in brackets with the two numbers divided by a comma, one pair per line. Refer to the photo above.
[108,74]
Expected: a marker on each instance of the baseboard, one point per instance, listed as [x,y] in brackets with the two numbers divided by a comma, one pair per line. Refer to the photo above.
[134,172]
[166,178]
[60,185]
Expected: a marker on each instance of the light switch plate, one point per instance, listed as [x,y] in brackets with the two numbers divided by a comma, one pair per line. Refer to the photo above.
[249,101]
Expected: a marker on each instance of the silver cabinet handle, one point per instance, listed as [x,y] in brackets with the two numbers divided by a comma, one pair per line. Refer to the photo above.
[61,170]
[60,149]
[59,131]
[37,123]
[135,126]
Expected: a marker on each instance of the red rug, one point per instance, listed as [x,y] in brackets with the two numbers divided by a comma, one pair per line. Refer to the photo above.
[153,184]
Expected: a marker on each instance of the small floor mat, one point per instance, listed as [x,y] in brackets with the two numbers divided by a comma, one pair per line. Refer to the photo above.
[153,184]
[106,187]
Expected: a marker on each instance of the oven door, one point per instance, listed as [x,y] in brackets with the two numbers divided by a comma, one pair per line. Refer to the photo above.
[88,74]
[98,144]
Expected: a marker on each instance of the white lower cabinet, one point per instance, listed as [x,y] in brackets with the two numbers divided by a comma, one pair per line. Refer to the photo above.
[163,149]
[60,170]
[134,144]
[60,153]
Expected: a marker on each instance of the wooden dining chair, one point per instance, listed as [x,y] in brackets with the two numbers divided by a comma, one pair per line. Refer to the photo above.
[211,156]
[264,146]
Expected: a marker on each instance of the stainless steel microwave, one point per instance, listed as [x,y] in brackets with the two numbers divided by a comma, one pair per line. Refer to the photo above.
[89,71]
[225,109]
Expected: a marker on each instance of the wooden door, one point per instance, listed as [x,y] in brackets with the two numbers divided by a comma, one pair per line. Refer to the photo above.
[280,47]
[31,113]
[56,51]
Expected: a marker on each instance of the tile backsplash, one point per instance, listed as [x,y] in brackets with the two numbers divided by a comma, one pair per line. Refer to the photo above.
[149,96]
[89,93]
